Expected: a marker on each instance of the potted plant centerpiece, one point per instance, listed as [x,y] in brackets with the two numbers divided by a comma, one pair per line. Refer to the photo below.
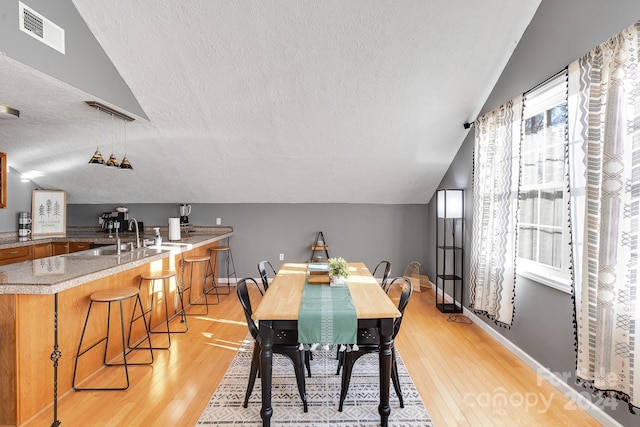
[338,271]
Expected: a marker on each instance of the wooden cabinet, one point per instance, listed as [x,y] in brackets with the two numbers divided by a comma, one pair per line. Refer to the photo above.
[41,250]
[59,248]
[79,246]
[25,361]
[13,255]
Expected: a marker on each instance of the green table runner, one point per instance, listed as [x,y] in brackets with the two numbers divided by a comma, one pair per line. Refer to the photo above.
[327,316]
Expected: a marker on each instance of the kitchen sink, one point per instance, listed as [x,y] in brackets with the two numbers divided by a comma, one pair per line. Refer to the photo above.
[104,251]
[111,251]
[101,251]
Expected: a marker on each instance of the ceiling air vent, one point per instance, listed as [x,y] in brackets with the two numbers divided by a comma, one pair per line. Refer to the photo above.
[39,27]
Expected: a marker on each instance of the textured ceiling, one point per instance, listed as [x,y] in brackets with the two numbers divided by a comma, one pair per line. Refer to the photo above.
[268,101]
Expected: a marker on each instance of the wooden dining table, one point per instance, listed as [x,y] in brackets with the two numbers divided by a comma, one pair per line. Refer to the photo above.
[279,308]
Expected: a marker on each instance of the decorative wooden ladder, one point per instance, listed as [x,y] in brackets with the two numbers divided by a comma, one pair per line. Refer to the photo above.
[319,245]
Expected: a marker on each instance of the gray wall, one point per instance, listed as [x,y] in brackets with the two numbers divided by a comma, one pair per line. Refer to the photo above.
[560,33]
[18,200]
[356,232]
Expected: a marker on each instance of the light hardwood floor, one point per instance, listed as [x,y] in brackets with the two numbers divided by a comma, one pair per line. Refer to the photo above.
[460,371]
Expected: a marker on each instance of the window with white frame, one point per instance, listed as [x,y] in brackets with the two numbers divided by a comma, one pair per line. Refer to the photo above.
[543,235]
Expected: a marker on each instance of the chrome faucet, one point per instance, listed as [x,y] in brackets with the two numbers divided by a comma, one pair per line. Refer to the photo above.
[117,226]
[132,222]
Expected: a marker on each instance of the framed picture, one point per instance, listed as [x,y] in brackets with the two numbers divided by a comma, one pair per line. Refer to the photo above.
[48,213]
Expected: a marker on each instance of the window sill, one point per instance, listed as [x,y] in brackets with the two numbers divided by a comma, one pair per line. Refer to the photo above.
[555,282]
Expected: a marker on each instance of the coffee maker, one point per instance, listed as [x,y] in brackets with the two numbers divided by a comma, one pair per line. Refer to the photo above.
[109,221]
[185,211]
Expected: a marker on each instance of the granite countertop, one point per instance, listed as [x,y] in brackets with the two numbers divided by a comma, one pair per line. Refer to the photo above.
[96,235]
[57,273]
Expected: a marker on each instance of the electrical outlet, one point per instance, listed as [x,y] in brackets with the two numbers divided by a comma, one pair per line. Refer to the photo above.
[218,221]
[281,257]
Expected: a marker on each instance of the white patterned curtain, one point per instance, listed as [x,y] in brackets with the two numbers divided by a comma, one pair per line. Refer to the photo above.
[495,183]
[604,154]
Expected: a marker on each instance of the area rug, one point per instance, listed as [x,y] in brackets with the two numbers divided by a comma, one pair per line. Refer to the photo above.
[323,394]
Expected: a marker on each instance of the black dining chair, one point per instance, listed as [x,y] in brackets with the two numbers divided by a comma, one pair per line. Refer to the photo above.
[385,268]
[283,343]
[369,342]
[265,268]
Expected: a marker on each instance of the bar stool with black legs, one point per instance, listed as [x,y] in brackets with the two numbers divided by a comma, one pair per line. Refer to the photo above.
[207,270]
[223,251]
[165,276]
[109,296]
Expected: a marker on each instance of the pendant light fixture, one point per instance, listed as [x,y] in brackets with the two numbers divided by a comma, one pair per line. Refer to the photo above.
[7,112]
[113,161]
[124,164]
[97,156]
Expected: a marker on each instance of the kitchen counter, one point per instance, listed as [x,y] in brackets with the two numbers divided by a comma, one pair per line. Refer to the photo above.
[61,272]
[96,235]
[44,303]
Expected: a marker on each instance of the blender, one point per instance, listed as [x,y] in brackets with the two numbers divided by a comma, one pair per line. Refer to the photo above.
[185,211]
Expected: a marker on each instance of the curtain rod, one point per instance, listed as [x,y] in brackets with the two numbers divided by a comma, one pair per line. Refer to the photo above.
[553,76]
[467,125]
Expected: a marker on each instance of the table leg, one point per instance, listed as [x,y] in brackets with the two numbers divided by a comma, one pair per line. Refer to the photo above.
[266,363]
[386,349]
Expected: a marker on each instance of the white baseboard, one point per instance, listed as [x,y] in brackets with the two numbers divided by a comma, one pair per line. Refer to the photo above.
[574,396]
